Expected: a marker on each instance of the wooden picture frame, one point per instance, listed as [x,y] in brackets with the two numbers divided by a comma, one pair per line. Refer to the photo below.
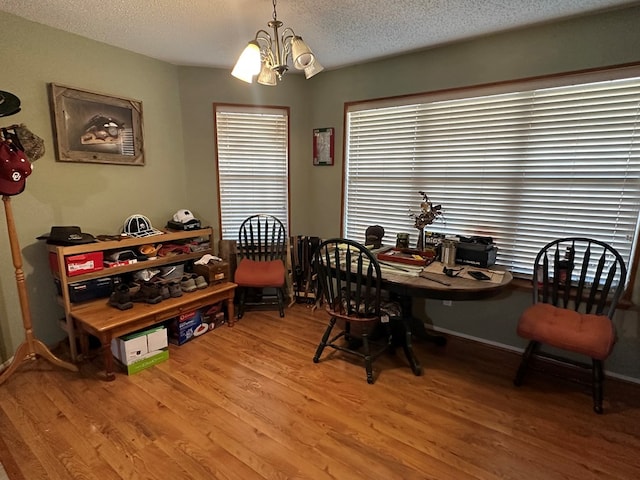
[92,127]
[323,146]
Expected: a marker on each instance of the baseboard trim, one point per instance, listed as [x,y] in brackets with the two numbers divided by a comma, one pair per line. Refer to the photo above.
[5,365]
[511,348]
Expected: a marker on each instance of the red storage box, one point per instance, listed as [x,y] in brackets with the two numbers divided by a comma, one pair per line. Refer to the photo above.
[78,264]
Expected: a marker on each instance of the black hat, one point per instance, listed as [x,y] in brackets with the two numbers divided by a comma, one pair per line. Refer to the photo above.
[9,104]
[67,236]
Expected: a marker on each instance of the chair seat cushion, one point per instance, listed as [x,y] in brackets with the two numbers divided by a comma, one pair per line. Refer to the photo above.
[591,335]
[252,273]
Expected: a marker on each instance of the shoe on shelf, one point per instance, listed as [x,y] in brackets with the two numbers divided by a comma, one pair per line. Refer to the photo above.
[164,288]
[121,297]
[134,287]
[188,284]
[175,289]
[200,282]
[149,293]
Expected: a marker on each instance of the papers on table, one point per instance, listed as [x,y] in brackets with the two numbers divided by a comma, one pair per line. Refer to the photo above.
[495,276]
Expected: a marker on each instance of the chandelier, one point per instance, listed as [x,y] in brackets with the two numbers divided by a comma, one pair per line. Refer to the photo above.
[267,55]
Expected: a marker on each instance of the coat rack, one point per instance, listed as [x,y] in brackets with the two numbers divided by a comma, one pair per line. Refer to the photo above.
[31,348]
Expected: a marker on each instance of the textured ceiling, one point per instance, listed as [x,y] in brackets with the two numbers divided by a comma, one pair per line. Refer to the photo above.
[340,32]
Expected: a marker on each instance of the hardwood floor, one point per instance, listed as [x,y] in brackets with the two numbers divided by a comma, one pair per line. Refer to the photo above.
[248,403]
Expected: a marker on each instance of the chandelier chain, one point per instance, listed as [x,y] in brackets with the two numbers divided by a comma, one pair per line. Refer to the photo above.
[275,16]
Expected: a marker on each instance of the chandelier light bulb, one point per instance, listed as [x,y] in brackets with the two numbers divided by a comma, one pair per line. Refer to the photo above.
[268,53]
[248,65]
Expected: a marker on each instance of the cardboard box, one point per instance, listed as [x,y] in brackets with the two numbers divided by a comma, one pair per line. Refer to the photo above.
[157,339]
[187,326]
[214,316]
[130,348]
[213,272]
[149,360]
[77,264]
[137,346]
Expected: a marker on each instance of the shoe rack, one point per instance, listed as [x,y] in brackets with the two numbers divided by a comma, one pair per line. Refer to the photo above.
[62,253]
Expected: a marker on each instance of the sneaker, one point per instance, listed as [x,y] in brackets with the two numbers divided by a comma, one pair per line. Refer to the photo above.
[121,297]
[175,289]
[149,293]
[188,284]
[201,282]
[163,287]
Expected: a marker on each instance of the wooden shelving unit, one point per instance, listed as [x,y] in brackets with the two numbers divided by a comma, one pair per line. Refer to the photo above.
[111,246]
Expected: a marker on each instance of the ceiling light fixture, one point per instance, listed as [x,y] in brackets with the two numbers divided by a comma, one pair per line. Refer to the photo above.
[267,56]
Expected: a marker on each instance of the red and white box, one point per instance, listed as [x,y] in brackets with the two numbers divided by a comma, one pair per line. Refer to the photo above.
[78,264]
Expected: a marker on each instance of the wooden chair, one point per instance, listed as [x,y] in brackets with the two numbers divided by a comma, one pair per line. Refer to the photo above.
[577,283]
[350,281]
[262,253]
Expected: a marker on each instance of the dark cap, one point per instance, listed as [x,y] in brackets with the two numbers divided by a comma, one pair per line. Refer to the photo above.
[9,104]
[373,235]
[67,236]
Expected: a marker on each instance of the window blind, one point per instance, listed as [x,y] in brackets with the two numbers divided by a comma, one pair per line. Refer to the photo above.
[523,167]
[252,160]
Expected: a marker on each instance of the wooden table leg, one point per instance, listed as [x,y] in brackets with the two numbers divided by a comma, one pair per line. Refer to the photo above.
[417,326]
[108,358]
[230,310]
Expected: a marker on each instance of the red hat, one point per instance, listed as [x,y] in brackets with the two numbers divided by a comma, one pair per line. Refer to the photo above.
[14,169]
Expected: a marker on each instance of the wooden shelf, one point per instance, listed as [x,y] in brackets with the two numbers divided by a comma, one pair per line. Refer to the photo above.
[70,308]
[107,323]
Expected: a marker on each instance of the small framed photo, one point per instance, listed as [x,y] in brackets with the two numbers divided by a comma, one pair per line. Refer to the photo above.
[323,150]
[93,127]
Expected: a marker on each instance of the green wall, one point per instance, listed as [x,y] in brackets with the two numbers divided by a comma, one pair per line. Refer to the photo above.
[179,147]
[97,198]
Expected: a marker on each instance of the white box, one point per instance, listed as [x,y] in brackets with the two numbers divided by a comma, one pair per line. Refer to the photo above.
[136,346]
[130,348]
[157,339]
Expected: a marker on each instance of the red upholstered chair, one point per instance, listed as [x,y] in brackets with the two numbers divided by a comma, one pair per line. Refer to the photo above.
[577,283]
[262,251]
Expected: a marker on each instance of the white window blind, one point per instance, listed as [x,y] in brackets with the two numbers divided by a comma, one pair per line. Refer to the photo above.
[253,160]
[523,167]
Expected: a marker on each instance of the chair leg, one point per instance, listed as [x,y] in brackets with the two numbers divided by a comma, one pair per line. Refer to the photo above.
[368,362]
[524,364]
[242,294]
[323,342]
[280,295]
[598,379]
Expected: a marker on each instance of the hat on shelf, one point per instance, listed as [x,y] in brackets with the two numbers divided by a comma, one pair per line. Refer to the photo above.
[139,226]
[67,236]
[9,104]
[184,216]
[14,169]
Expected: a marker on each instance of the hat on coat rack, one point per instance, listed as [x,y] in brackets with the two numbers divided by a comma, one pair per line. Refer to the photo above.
[14,168]
[9,104]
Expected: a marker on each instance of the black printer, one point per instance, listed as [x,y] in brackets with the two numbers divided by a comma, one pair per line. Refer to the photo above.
[477,251]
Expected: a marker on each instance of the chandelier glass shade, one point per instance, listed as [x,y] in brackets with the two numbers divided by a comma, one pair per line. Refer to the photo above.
[268,54]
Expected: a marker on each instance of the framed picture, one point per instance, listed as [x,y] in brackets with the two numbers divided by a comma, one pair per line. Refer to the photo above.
[323,146]
[96,128]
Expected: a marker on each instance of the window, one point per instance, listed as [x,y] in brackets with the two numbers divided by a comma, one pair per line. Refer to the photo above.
[253,164]
[523,163]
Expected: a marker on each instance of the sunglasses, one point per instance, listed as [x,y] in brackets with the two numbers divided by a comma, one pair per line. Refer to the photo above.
[450,272]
